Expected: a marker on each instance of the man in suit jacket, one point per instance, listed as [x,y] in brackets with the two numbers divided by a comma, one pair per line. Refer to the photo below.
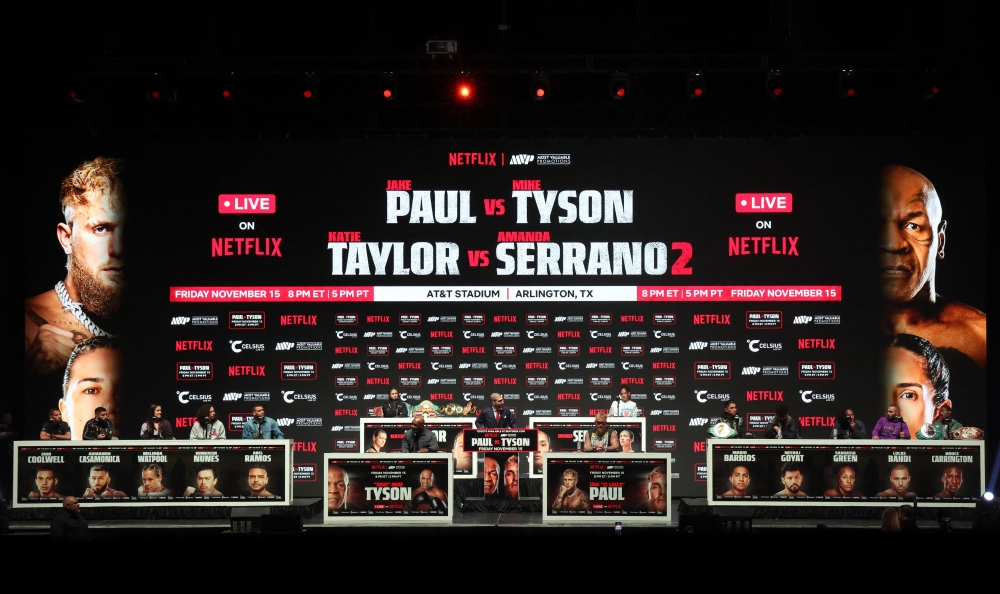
[496,416]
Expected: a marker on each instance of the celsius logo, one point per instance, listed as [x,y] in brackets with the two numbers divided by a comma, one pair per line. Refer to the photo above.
[238,346]
[521,159]
[699,395]
[287,395]
[662,334]
[599,334]
[802,319]
[756,346]
[659,396]
[342,397]
[751,370]
[808,396]
[471,334]
[179,321]
[630,365]
[697,346]
[341,334]
[284,346]
[185,396]
[435,366]
[374,366]
[533,334]
[407,334]
[704,396]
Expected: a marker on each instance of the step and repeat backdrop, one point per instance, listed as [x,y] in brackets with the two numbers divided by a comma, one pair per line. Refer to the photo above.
[311,278]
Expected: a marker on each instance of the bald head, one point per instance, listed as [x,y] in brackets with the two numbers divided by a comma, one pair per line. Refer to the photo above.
[71,503]
[912,237]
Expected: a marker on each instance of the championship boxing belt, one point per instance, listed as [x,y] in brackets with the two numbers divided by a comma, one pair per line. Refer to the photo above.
[929,432]
[722,430]
[968,433]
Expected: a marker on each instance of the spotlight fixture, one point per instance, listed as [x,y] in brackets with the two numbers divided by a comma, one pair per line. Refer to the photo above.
[847,84]
[619,86]
[309,87]
[388,86]
[465,89]
[774,83]
[539,86]
[228,89]
[159,89]
[695,85]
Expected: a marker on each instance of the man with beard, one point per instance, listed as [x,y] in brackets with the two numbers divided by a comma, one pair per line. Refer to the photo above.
[100,484]
[899,480]
[55,427]
[428,494]
[951,478]
[152,482]
[740,480]
[656,490]
[600,439]
[86,301]
[261,426]
[100,427]
[569,496]
[782,426]
[91,381]
[417,440]
[729,419]
[257,480]
[791,477]
[510,478]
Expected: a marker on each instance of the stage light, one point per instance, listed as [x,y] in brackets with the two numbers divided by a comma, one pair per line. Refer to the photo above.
[309,86]
[465,88]
[228,87]
[389,86]
[774,83]
[619,86]
[988,496]
[160,89]
[695,85]
[847,84]
[987,516]
[539,86]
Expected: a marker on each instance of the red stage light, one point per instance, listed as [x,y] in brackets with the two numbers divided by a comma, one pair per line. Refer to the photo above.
[387,93]
[307,94]
[934,90]
[620,92]
[777,91]
[464,91]
[226,94]
[698,92]
[540,92]
[850,92]
[72,94]
[155,94]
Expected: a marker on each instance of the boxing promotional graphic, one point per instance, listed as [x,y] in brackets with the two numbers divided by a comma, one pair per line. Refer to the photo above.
[153,473]
[581,434]
[581,485]
[411,488]
[651,280]
[874,473]
[386,435]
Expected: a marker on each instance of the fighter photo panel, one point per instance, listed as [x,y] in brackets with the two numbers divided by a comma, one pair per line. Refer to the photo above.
[382,435]
[579,434]
[582,487]
[387,488]
[154,473]
[845,472]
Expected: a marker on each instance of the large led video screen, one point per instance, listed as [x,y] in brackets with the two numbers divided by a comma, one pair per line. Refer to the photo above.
[656,278]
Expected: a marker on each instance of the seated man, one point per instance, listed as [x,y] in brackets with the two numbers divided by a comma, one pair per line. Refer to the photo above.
[943,427]
[600,439]
[782,426]
[55,427]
